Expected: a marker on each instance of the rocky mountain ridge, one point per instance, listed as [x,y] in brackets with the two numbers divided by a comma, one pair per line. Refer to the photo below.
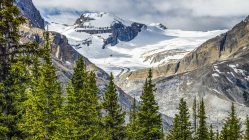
[28,10]
[217,71]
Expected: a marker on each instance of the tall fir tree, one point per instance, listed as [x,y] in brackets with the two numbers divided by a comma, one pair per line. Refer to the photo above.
[217,135]
[133,126]
[211,133]
[68,128]
[14,59]
[182,126]
[150,123]
[232,126]
[41,115]
[195,115]
[114,118]
[174,133]
[246,135]
[202,131]
[84,103]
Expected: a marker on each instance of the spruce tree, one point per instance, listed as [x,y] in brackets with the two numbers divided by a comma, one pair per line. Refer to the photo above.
[211,133]
[195,115]
[132,128]
[68,128]
[231,129]
[217,135]
[14,61]
[182,126]
[174,133]
[150,123]
[246,135]
[85,103]
[114,118]
[202,131]
[41,114]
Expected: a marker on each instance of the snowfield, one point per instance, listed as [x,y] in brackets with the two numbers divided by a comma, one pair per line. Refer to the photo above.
[148,49]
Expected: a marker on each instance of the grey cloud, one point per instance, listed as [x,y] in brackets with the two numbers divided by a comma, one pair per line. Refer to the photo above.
[180,14]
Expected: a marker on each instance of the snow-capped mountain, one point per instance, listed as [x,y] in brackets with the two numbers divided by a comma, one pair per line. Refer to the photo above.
[117,45]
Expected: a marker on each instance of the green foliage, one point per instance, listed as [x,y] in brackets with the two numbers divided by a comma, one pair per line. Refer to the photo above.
[195,115]
[211,133]
[246,135]
[15,59]
[181,126]
[202,131]
[81,114]
[114,118]
[174,133]
[133,127]
[41,111]
[231,129]
[150,123]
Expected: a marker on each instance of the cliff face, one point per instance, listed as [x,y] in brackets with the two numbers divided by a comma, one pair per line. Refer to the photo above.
[28,10]
[217,71]
[123,33]
[225,46]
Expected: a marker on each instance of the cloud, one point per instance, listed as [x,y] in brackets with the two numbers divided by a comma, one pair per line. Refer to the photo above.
[181,14]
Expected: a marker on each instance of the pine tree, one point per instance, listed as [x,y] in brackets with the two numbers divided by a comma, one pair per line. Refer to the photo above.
[114,118]
[174,133]
[202,131]
[149,118]
[182,126]
[14,60]
[41,115]
[195,115]
[132,127]
[217,135]
[84,103]
[246,135]
[211,133]
[231,129]
[68,128]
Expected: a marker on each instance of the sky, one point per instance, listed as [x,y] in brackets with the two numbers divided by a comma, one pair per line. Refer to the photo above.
[201,15]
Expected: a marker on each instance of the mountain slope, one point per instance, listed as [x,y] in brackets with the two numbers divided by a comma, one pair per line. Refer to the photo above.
[119,46]
[217,71]
[28,10]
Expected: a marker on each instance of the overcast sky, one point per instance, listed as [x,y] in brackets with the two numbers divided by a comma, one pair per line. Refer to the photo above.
[178,14]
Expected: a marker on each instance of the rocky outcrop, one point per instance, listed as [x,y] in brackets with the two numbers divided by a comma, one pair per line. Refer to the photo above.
[123,33]
[64,57]
[28,10]
[217,71]
[225,46]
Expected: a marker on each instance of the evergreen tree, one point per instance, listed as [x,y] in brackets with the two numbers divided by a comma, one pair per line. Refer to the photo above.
[182,126]
[195,115]
[174,133]
[68,128]
[211,133]
[14,60]
[246,135]
[149,118]
[84,103]
[202,131]
[217,135]
[231,129]
[132,127]
[41,114]
[114,118]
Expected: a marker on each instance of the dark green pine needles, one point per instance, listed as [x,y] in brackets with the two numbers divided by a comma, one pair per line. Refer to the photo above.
[15,58]
[114,118]
[150,123]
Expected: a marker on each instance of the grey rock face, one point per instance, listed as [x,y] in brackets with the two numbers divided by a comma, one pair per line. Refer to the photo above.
[217,71]
[31,13]
[123,33]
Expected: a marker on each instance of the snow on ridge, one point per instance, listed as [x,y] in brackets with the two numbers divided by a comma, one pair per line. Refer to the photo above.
[149,42]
